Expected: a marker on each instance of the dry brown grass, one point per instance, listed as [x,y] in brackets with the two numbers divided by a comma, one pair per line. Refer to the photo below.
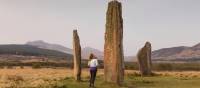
[190,74]
[29,77]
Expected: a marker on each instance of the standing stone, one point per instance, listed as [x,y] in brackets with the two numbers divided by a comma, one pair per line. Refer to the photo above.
[144,60]
[113,48]
[77,56]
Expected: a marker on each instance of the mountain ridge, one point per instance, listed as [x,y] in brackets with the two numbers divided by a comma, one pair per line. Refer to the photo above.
[45,45]
[177,53]
[28,50]
[171,53]
[85,51]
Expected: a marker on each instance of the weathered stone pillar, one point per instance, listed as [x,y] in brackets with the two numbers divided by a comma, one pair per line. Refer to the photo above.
[113,48]
[77,56]
[144,60]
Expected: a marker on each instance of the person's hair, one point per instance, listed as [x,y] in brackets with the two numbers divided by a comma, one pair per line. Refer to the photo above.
[92,56]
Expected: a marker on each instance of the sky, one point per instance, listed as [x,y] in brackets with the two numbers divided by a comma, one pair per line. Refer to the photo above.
[164,23]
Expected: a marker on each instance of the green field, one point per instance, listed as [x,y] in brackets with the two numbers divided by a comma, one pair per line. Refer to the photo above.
[136,82]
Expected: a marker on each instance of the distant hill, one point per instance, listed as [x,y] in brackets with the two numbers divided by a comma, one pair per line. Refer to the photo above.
[28,50]
[88,50]
[178,53]
[44,45]
[165,52]
[85,51]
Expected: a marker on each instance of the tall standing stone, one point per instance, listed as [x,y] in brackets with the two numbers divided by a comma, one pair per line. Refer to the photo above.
[113,48]
[144,60]
[77,56]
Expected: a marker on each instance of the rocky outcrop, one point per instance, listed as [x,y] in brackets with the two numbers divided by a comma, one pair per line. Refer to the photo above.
[144,60]
[113,48]
[77,56]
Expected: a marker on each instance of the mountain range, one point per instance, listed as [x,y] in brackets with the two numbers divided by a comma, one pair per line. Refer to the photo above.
[178,53]
[28,50]
[41,48]
[85,51]
[45,45]
[172,53]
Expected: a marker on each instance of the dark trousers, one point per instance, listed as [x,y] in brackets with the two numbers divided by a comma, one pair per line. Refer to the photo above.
[93,72]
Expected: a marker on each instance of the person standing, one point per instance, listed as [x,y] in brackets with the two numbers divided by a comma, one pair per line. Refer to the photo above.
[93,63]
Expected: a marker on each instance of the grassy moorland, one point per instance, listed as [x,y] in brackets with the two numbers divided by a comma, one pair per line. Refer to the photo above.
[62,78]
[182,80]
[136,82]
